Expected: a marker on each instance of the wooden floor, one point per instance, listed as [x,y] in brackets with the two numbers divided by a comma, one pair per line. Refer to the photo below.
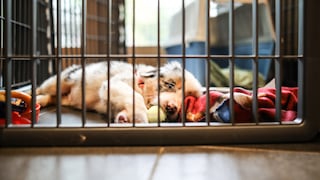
[254,161]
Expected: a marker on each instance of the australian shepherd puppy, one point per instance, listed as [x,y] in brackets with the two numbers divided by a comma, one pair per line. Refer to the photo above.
[126,85]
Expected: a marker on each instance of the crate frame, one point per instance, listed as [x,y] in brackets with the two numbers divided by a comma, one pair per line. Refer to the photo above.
[308,61]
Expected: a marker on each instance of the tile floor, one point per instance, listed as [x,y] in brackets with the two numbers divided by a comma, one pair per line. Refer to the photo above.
[252,161]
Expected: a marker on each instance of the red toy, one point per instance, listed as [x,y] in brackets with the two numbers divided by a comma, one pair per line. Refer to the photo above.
[219,105]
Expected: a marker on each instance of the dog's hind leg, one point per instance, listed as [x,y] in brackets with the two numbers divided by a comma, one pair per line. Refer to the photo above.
[47,91]
[49,86]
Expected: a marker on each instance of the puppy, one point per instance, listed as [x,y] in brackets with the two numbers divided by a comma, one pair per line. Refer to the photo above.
[124,84]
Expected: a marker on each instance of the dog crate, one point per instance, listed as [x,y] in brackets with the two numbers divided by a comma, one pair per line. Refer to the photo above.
[39,38]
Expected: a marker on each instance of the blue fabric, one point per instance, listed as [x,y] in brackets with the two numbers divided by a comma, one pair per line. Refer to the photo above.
[223,112]
[196,66]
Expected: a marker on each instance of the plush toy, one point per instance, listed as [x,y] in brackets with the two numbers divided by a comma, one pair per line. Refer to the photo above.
[152,114]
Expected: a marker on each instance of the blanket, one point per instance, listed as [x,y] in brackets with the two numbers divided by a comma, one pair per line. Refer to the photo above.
[219,104]
[219,77]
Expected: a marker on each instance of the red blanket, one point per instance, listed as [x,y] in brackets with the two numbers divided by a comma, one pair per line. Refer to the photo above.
[220,111]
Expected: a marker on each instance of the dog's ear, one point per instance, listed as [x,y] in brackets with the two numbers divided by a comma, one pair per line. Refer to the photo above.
[148,74]
[146,71]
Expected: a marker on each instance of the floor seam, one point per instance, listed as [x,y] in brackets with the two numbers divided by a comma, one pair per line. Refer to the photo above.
[156,162]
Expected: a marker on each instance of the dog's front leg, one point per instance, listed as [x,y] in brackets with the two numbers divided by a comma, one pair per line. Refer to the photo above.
[121,100]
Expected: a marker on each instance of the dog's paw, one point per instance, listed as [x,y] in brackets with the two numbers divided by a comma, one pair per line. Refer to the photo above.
[121,117]
[44,100]
[125,117]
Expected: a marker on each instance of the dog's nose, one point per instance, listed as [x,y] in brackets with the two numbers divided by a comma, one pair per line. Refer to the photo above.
[171,108]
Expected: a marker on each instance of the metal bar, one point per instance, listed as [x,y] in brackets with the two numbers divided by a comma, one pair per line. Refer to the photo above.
[33,91]
[183,113]
[34,60]
[278,61]
[83,61]
[8,54]
[301,67]
[51,50]
[278,27]
[208,62]
[59,63]
[232,59]
[133,59]
[158,62]
[255,62]
[109,115]
[18,46]
[108,39]
[162,56]
[14,27]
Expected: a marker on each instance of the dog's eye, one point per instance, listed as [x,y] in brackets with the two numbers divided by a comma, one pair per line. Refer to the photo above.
[170,85]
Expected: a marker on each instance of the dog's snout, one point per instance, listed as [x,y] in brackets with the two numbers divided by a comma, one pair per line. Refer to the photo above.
[171,108]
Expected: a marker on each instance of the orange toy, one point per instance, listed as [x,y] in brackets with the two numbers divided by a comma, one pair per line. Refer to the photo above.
[21,114]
